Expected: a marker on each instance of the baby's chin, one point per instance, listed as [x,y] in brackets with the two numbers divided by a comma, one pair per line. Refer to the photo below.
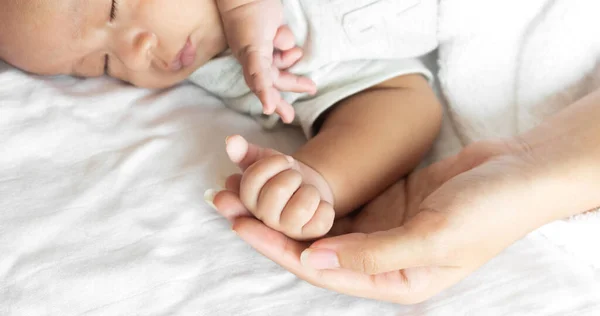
[163,80]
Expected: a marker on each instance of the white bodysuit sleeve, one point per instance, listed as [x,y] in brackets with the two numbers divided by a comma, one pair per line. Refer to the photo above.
[349,78]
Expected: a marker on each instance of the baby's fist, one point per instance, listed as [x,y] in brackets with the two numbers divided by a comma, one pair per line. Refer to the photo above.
[282,192]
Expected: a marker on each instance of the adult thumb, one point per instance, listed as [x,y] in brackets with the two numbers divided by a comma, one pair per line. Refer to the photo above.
[374,253]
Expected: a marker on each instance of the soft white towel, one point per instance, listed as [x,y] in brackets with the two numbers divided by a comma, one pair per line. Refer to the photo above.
[507,65]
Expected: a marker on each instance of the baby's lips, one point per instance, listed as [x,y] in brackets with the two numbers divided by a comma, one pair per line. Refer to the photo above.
[187,60]
[176,65]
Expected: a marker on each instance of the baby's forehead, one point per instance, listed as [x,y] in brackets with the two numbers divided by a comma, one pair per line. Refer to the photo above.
[40,9]
[35,34]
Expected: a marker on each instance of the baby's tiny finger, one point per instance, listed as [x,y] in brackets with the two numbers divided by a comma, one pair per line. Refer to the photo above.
[260,81]
[321,222]
[274,196]
[237,148]
[286,59]
[259,78]
[284,39]
[257,175]
[255,65]
[269,98]
[245,154]
[293,83]
[285,111]
[299,210]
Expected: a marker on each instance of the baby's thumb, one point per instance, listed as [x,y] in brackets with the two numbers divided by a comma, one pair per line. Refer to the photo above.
[375,253]
[245,154]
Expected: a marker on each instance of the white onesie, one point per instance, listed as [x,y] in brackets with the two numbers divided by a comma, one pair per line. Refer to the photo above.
[349,46]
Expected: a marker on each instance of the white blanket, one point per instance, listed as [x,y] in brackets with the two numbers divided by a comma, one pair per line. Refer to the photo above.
[507,65]
[102,212]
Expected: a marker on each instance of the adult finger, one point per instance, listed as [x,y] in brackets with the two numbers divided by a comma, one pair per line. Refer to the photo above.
[228,204]
[232,183]
[402,286]
[404,247]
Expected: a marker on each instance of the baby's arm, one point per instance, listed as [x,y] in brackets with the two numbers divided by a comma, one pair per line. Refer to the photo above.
[366,143]
[372,139]
[265,49]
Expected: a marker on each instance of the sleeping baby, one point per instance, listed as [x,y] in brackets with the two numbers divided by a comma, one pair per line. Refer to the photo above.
[348,72]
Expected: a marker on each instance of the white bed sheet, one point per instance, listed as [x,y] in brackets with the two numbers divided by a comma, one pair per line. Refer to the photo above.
[102,213]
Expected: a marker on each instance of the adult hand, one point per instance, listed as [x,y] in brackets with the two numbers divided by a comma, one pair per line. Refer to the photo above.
[422,235]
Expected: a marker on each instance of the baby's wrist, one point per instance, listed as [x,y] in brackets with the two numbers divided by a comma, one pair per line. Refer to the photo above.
[317,180]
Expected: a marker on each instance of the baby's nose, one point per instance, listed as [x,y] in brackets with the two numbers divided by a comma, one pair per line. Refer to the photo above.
[142,47]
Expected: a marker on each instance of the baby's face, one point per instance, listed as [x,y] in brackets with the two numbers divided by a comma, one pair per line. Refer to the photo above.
[150,43]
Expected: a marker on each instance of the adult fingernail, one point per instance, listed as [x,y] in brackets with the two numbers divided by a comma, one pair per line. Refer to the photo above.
[209,197]
[320,259]
[290,159]
[227,140]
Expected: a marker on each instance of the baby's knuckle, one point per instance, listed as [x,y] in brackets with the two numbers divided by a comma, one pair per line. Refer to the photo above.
[311,199]
[268,216]
[251,173]
[321,228]
[292,176]
[293,215]
[310,193]
[288,227]
[293,231]
[279,192]
[270,164]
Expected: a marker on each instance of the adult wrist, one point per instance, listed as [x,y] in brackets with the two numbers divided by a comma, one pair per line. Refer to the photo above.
[565,181]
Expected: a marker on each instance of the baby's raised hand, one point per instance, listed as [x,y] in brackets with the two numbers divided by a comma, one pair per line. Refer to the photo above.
[281,191]
[265,48]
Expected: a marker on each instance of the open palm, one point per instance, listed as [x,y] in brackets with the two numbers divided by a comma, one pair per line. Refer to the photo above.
[419,237]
